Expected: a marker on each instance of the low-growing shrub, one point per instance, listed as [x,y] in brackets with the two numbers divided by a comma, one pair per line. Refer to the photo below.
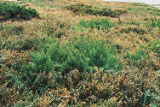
[82,54]
[86,9]
[97,24]
[10,10]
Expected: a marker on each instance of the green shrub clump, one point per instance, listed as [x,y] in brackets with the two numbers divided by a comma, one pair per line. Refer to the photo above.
[83,54]
[97,24]
[86,9]
[10,10]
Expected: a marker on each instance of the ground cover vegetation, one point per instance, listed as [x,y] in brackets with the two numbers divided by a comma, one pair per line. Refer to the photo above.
[87,9]
[13,11]
[76,56]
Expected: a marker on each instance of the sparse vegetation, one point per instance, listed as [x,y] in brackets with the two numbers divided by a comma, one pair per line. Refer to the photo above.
[68,59]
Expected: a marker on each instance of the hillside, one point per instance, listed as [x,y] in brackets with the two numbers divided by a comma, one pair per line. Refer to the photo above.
[63,53]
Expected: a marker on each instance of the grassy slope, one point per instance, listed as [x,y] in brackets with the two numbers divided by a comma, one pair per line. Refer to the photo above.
[130,34]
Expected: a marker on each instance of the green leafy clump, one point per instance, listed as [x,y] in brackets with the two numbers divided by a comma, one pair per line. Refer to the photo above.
[97,24]
[10,10]
[86,9]
[82,54]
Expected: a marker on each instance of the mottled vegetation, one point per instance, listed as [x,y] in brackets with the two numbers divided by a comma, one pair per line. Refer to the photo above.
[83,59]
[87,9]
